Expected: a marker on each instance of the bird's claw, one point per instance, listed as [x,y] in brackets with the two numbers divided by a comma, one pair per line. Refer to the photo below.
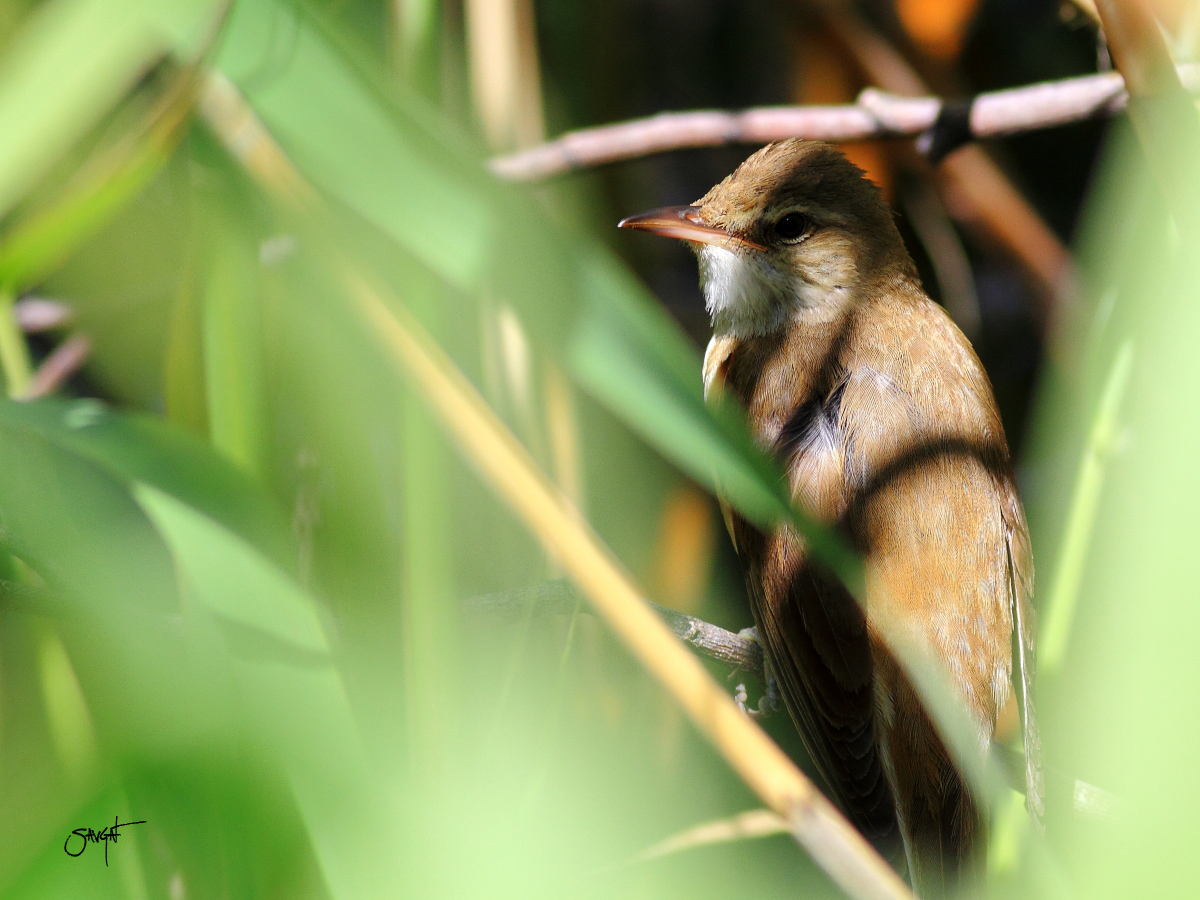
[740,697]
[768,703]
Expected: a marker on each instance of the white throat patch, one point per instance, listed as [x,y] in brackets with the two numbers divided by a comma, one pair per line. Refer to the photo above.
[745,295]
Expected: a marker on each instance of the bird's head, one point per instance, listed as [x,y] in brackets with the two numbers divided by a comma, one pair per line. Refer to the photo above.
[796,229]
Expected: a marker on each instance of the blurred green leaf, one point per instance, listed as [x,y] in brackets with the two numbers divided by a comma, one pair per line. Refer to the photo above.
[140,449]
[1120,712]
[230,576]
[354,144]
[1058,608]
[14,351]
[72,521]
[184,397]
[385,156]
[298,707]
[53,875]
[293,702]
[418,29]
[70,63]
[233,356]
[39,243]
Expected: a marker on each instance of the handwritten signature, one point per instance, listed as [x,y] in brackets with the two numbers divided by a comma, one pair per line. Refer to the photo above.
[103,835]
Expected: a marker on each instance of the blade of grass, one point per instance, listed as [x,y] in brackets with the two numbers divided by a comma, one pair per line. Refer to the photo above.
[1163,114]
[302,711]
[38,243]
[14,352]
[233,365]
[1081,515]
[68,65]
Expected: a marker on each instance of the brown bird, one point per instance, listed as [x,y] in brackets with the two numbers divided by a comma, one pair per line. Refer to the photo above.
[885,421]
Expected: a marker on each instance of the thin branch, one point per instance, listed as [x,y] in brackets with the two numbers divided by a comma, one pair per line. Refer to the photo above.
[947,255]
[756,823]
[877,114]
[559,597]
[66,359]
[38,314]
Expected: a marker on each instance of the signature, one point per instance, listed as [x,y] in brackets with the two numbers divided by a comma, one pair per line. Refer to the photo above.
[104,835]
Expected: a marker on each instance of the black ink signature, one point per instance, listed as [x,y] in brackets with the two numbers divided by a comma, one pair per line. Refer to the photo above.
[104,834]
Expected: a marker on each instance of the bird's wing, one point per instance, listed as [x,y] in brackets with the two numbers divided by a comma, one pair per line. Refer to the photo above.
[815,636]
[1020,567]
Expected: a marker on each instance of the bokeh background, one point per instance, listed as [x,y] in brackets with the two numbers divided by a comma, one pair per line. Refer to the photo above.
[254,595]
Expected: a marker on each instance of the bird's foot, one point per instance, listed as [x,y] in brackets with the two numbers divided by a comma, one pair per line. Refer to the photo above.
[768,703]
[740,697]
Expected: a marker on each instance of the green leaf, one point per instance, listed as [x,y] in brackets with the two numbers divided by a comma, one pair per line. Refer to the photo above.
[231,576]
[300,711]
[66,474]
[134,448]
[233,357]
[385,157]
[76,524]
[52,875]
[348,142]
[69,64]
[109,180]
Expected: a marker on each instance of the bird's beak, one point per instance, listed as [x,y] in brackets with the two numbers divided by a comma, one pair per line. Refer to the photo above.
[684,222]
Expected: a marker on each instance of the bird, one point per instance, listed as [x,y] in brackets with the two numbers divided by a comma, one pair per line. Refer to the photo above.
[886,426]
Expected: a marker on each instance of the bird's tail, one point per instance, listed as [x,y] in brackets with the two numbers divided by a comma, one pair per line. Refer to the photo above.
[946,842]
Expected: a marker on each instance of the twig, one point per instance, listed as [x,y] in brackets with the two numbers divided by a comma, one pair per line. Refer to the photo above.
[504,464]
[67,358]
[1093,802]
[877,114]
[559,597]
[38,314]
[951,267]
[756,823]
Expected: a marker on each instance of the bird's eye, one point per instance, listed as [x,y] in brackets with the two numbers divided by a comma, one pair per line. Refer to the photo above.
[791,227]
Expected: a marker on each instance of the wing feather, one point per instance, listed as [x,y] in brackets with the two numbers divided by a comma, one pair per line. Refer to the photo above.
[816,638]
[1020,567]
